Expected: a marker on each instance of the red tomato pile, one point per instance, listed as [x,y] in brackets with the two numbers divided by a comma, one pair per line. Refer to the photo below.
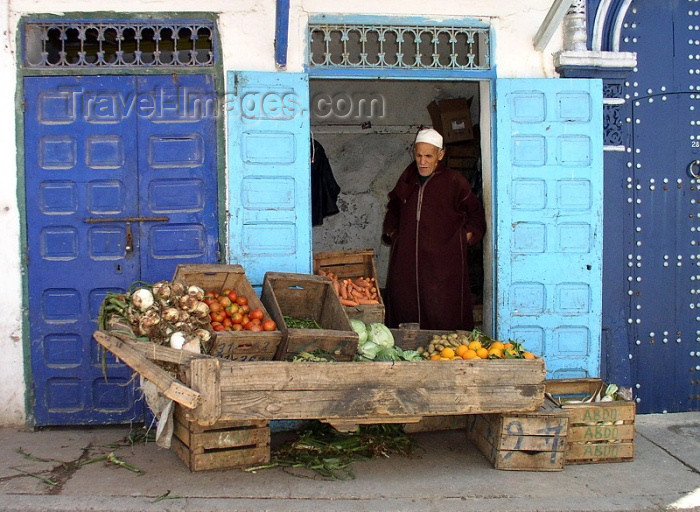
[230,312]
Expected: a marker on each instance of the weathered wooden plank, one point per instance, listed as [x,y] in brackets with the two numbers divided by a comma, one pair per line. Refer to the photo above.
[601,433]
[204,377]
[164,381]
[351,424]
[434,423]
[428,374]
[526,461]
[599,452]
[376,402]
[600,411]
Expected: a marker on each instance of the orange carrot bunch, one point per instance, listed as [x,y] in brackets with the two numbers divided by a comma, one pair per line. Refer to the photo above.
[354,292]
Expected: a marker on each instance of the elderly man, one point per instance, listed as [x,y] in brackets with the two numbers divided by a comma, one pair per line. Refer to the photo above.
[431,218]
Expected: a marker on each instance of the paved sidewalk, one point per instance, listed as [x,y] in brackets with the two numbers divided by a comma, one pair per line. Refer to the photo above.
[448,474]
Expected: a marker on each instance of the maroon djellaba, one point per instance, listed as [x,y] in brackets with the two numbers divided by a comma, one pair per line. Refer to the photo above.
[427,225]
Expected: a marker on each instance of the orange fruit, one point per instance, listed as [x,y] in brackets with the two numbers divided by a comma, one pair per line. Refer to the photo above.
[529,355]
[435,357]
[506,346]
[496,344]
[474,345]
[482,353]
[511,352]
[498,352]
[469,354]
[447,352]
[461,350]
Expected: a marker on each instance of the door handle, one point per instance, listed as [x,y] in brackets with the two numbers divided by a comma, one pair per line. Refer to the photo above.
[694,169]
[129,245]
[105,220]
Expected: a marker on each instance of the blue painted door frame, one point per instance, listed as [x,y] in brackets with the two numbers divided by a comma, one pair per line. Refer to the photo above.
[99,149]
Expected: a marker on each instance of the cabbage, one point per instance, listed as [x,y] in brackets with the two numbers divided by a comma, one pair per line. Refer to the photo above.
[381,335]
[368,349]
[360,328]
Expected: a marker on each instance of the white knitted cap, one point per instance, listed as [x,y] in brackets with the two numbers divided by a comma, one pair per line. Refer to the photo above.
[430,136]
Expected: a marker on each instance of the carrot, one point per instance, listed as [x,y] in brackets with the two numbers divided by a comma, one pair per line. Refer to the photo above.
[367,301]
[336,287]
[349,303]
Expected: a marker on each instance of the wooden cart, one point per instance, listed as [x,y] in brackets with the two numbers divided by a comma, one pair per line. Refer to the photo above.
[343,394]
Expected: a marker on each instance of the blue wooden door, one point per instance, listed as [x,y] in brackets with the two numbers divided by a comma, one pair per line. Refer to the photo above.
[85,141]
[269,180]
[548,248]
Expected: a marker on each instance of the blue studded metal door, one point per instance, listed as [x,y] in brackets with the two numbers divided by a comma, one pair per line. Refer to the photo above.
[121,185]
[661,204]
[664,266]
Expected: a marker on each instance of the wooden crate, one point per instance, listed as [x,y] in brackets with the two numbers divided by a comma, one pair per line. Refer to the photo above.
[522,442]
[233,345]
[308,296]
[598,431]
[352,265]
[224,445]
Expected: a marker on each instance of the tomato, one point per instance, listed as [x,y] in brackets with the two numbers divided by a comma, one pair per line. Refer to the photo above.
[236,318]
[224,301]
[241,301]
[232,295]
[217,316]
[245,308]
[232,309]
[256,313]
[254,327]
[215,307]
[217,326]
[225,292]
[237,327]
[269,325]
[227,322]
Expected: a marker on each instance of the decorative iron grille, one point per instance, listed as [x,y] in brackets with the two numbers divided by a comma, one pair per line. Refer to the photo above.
[404,47]
[61,44]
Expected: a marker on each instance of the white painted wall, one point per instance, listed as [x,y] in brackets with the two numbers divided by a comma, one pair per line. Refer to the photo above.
[247,31]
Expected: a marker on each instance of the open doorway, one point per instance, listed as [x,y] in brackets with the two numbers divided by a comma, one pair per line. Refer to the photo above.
[366,129]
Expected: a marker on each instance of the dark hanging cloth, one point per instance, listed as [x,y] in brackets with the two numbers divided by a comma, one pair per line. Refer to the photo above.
[324,188]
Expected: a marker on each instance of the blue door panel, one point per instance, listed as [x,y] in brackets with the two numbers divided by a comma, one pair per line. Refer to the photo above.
[95,153]
[77,169]
[548,189]
[177,163]
[269,173]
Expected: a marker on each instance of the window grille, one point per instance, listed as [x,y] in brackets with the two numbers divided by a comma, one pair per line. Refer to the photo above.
[403,47]
[61,44]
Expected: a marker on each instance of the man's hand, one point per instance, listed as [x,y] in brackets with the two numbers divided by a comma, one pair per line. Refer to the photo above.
[470,235]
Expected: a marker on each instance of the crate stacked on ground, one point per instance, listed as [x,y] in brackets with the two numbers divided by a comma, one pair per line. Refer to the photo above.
[223,445]
[311,298]
[234,345]
[599,431]
[359,267]
[524,441]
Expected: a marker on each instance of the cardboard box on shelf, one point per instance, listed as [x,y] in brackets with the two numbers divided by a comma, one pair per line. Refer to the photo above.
[452,119]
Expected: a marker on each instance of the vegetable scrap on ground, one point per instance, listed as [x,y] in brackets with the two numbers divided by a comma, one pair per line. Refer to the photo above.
[328,453]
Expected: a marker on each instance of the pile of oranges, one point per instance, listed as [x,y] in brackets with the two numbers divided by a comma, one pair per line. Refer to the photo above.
[231,312]
[475,350]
